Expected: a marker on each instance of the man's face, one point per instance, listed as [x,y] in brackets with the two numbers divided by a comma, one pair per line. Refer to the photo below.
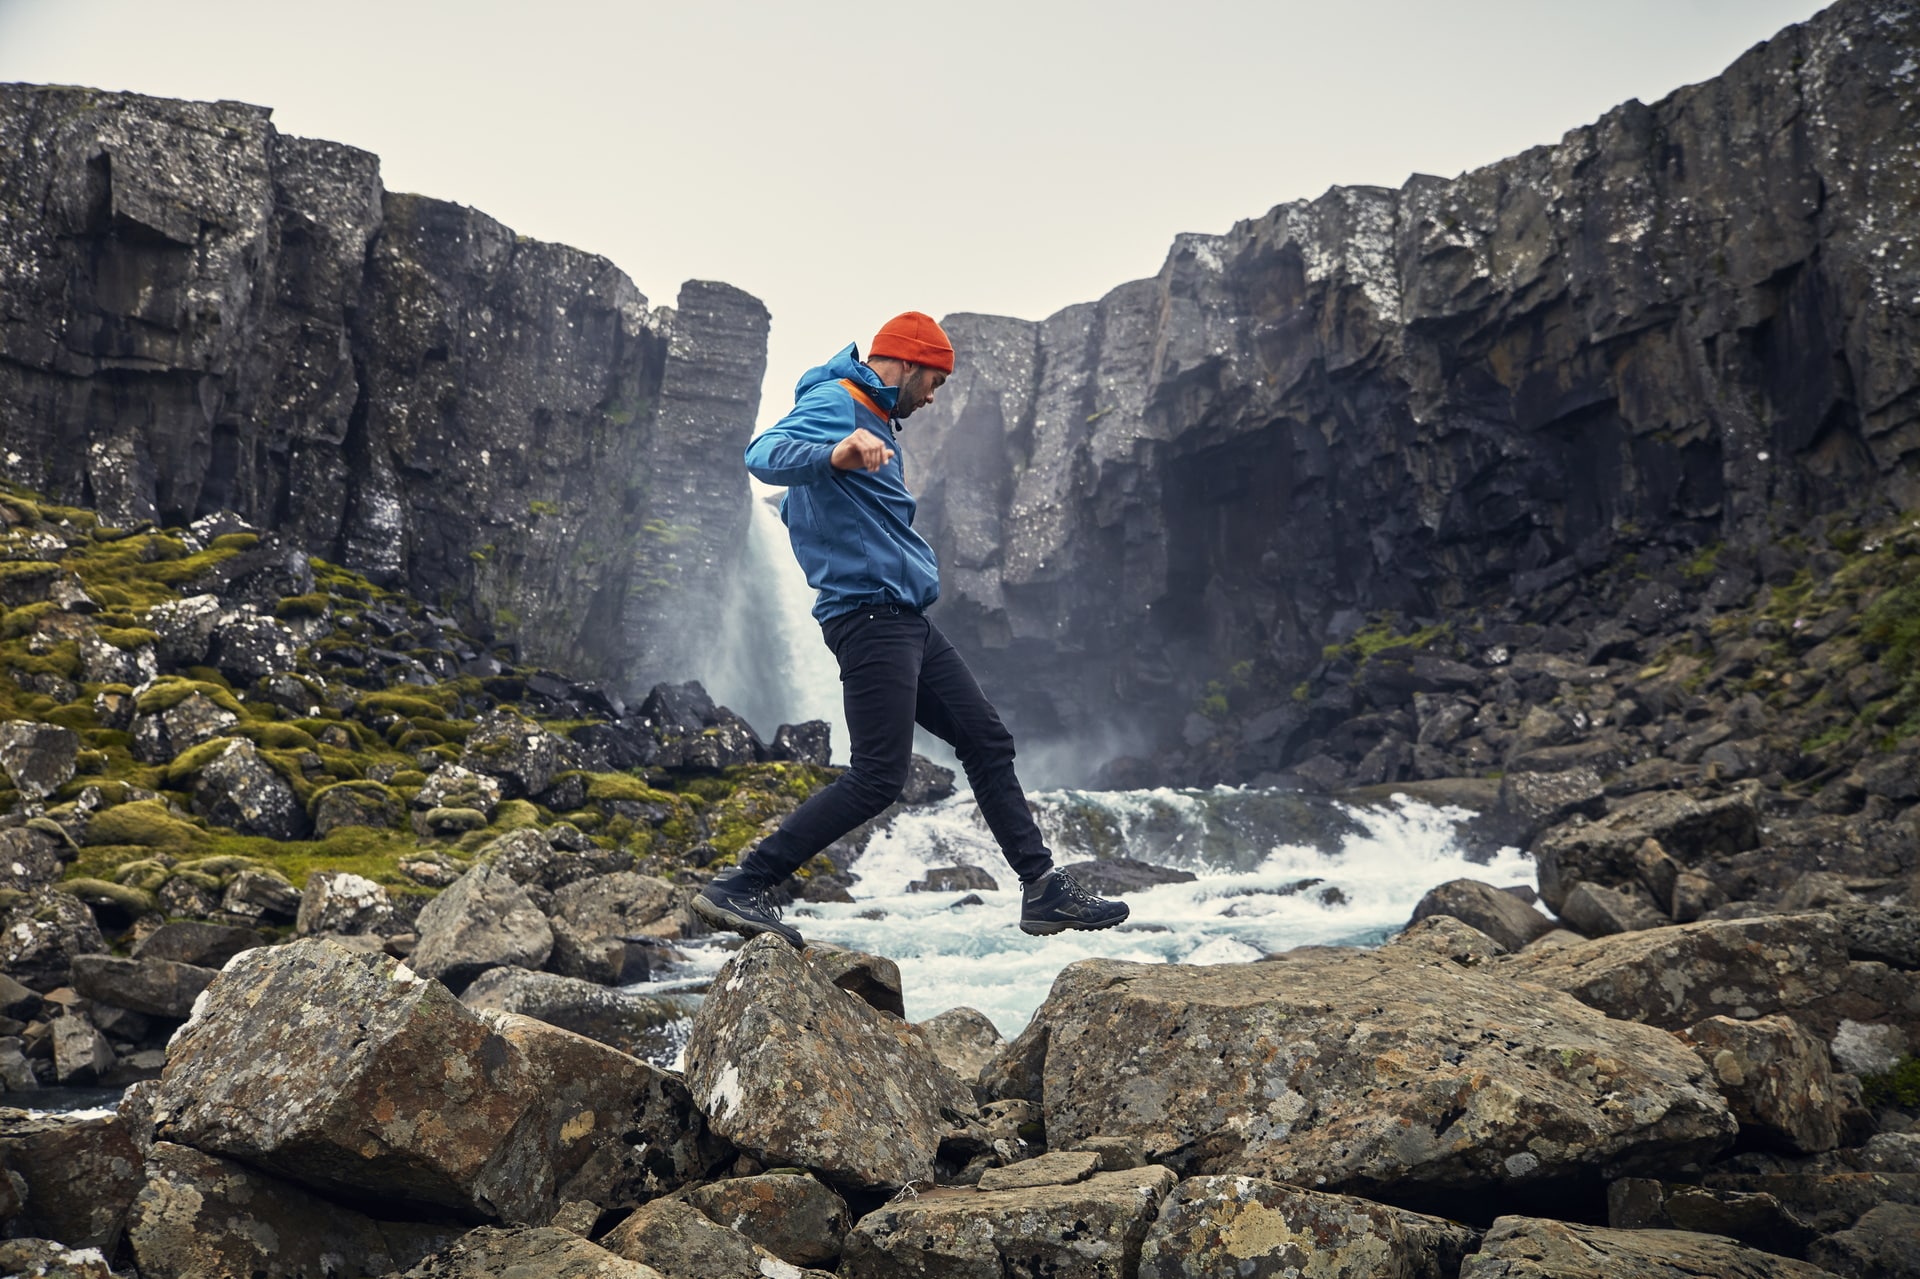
[917,388]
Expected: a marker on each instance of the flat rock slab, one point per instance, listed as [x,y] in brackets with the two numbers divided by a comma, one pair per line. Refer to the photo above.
[81,1176]
[681,1242]
[1214,1226]
[1056,1168]
[541,1252]
[1092,1230]
[1353,1070]
[630,1022]
[1536,1248]
[161,987]
[797,1071]
[201,945]
[794,1217]
[1674,977]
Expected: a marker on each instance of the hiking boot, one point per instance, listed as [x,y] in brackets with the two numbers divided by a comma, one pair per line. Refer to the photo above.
[1054,903]
[741,902]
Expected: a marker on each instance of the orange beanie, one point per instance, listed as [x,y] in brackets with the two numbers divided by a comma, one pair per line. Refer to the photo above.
[915,338]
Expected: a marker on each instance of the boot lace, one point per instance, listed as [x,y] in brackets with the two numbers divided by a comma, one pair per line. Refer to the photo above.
[1076,894]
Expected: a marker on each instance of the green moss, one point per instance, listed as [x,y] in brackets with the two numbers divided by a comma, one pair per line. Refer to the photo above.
[623,786]
[146,823]
[1385,634]
[127,638]
[17,622]
[280,737]
[402,704]
[187,765]
[314,605]
[1897,1087]
[169,691]
[12,571]
[515,814]
[1703,564]
[101,892]
[146,874]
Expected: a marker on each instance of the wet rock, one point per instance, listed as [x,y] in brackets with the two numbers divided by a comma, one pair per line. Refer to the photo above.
[682,1242]
[81,1055]
[955,879]
[16,1074]
[1878,1246]
[322,1067]
[239,789]
[872,979]
[483,921]
[81,1175]
[1603,852]
[524,756]
[1536,1248]
[200,1215]
[42,934]
[794,1217]
[264,895]
[1326,1067]
[354,804]
[338,901]
[45,1259]
[543,1251]
[203,945]
[1111,876]
[1086,1231]
[796,1071]
[1776,1078]
[693,733]
[1245,1226]
[1675,977]
[963,1040]
[1598,911]
[1500,915]
[154,986]
[37,758]
[808,743]
[631,1023]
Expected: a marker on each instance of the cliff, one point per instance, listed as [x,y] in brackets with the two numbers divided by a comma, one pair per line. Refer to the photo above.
[204,314]
[1689,324]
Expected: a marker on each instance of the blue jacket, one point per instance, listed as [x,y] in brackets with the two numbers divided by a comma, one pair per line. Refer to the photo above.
[852,531]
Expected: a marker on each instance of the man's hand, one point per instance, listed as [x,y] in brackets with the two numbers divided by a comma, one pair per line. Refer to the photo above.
[861,451]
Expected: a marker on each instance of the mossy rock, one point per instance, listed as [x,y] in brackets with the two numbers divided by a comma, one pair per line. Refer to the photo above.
[406,706]
[446,822]
[221,867]
[515,814]
[168,691]
[47,826]
[297,606]
[280,737]
[100,892]
[127,638]
[625,786]
[148,824]
[147,874]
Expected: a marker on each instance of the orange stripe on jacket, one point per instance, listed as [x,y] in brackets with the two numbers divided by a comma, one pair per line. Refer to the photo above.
[860,396]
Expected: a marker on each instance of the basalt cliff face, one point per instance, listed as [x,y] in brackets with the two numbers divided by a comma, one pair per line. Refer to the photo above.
[1690,324]
[204,314]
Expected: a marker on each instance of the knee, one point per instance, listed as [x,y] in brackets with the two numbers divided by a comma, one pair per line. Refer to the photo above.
[990,748]
[876,786]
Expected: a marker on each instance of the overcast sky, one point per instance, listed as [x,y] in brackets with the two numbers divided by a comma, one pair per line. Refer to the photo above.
[848,161]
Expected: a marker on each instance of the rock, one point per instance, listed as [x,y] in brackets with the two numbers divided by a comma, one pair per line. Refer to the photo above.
[808,743]
[1085,1231]
[1598,911]
[185,629]
[338,901]
[795,1218]
[1116,1154]
[1675,977]
[1693,896]
[1880,1245]
[1659,873]
[1213,1226]
[524,756]
[202,945]
[1500,915]
[239,789]
[452,786]
[684,1243]
[42,934]
[524,1253]
[30,859]
[263,895]
[81,1175]
[1776,1078]
[248,647]
[201,1215]
[794,1070]
[1757,1220]
[45,1259]
[1326,1067]
[1444,937]
[1055,1168]
[322,1067]
[955,879]
[16,1074]
[154,986]
[632,1023]
[963,1040]
[1536,1248]
[693,733]
[602,960]
[81,1055]
[1603,852]
[873,979]
[1883,931]
[1111,876]
[37,758]
[483,921]
[353,804]
[159,736]
[619,905]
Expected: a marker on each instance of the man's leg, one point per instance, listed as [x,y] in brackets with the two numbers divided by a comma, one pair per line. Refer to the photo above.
[951,706]
[880,655]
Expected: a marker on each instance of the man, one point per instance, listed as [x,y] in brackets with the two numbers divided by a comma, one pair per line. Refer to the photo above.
[850,518]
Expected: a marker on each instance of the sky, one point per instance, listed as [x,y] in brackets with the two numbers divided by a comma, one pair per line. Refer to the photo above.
[847,161]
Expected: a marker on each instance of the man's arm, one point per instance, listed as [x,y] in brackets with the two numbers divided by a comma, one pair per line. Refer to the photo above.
[812,442]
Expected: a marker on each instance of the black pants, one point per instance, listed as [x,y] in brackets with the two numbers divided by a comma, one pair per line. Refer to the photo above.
[898,670]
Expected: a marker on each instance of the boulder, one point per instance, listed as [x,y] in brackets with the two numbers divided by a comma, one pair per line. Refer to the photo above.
[1757,1220]
[1884,931]
[873,979]
[158,736]
[338,901]
[354,804]
[794,1217]
[524,756]
[1880,1245]
[1495,912]
[618,905]
[955,879]
[1536,1248]
[161,987]
[200,1215]
[632,1023]
[602,960]
[247,647]
[1327,1067]
[1211,1226]
[483,921]
[30,858]
[352,1076]
[203,945]
[264,895]
[796,1071]
[239,789]
[1777,1079]
[681,1242]
[693,733]
[185,629]
[45,1259]
[42,933]
[1111,876]
[807,743]
[964,1040]
[37,758]
[539,1252]
[1675,977]
[82,1056]
[81,1175]
[451,786]
[1091,1230]
[1055,1168]
[1602,852]
[1599,911]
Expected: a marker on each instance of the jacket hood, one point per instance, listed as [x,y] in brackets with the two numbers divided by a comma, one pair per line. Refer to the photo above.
[847,364]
